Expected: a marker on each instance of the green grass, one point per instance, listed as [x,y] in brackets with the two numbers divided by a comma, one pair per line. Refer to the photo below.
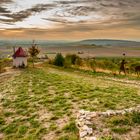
[71,127]
[98,74]
[129,119]
[123,124]
[107,138]
[121,130]
[42,101]
[136,118]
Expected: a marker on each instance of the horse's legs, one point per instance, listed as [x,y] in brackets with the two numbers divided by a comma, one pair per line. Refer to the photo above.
[137,73]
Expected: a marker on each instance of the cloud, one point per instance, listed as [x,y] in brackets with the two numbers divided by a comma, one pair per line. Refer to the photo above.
[82,16]
[5,1]
[57,20]
[21,15]
[81,10]
[63,21]
[67,2]
[62,33]
[4,10]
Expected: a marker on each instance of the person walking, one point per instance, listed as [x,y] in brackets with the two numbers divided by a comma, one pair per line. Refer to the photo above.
[122,67]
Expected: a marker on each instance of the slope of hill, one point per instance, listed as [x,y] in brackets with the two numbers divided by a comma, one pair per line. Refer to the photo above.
[29,42]
[88,47]
[55,43]
[42,103]
[106,42]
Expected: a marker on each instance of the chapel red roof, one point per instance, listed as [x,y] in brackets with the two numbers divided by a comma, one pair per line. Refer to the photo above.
[19,53]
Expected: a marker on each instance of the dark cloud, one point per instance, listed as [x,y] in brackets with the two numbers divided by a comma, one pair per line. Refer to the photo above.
[80,10]
[5,1]
[62,21]
[56,20]
[114,8]
[4,10]
[67,2]
[68,13]
[21,15]
[131,20]
[73,8]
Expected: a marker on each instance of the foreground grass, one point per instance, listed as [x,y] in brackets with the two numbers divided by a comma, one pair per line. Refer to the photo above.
[42,103]
[124,125]
[117,127]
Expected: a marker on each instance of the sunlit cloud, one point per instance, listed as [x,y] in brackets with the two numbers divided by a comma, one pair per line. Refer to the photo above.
[70,16]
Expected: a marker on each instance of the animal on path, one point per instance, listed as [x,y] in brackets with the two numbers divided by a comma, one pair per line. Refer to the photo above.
[137,70]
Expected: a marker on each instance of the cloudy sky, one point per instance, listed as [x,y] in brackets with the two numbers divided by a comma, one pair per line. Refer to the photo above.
[70,19]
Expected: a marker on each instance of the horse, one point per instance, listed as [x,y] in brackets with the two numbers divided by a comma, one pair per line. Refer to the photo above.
[137,70]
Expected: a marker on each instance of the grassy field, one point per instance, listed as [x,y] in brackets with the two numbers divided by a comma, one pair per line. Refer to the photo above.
[42,103]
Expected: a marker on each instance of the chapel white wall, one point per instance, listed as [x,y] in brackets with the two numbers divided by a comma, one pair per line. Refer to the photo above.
[18,61]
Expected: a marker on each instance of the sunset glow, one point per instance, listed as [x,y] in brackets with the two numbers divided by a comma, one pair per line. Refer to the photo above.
[70,19]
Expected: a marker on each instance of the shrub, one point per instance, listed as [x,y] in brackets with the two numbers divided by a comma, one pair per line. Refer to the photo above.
[92,64]
[79,62]
[59,60]
[73,58]
[67,62]
[51,61]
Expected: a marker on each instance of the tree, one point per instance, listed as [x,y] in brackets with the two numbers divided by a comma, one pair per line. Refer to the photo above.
[59,60]
[34,51]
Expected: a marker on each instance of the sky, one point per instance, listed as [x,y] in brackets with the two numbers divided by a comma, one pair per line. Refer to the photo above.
[70,19]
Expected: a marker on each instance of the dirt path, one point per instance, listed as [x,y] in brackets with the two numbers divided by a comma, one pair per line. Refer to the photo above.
[9,74]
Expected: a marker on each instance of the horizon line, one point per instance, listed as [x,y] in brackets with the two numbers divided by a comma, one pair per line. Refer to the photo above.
[72,40]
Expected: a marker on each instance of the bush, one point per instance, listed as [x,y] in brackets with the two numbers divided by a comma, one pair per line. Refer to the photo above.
[67,62]
[79,62]
[104,63]
[59,60]
[73,58]
[92,64]
[51,61]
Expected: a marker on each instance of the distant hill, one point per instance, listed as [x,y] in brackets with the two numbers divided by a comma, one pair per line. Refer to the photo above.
[90,47]
[106,42]
[89,42]
[27,43]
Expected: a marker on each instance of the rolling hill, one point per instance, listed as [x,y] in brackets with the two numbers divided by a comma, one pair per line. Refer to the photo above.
[90,47]
[46,43]
[107,42]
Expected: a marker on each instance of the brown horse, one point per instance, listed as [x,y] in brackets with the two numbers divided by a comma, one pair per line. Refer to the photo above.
[137,70]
